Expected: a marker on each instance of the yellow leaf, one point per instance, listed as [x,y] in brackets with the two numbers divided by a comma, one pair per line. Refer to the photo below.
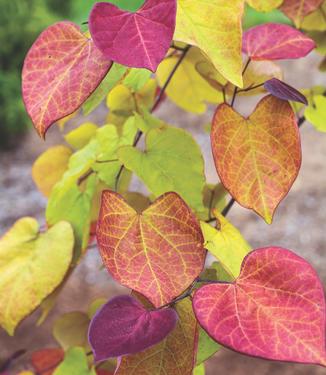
[316,20]
[215,27]
[49,168]
[188,89]
[226,244]
[32,265]
[79,137]
[265,5]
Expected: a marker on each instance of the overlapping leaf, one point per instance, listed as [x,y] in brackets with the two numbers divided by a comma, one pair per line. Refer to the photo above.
[32,265]
[49,168]
[226,243]
[296,10]
[174,356]
[316,112]
[215,27]
[316,20]
[258,158]
[188,89]
[45,359]
[274,310]
[141,328]
[61,70]
[157,253]
[80,137]
[265,5]
[276,42]
[117,32]
[74,363]
[171,157]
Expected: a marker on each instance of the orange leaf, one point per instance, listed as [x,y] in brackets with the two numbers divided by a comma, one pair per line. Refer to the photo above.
[157,253]
[60,72]
[174,356]
[46,360]
[257,158]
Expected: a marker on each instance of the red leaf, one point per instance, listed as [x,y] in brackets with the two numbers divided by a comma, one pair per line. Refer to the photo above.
[123,326]
[139,39]
[273,41]
[274,310]
[283,91]
[45,361]
[157,253]
[103,372]
[61,70]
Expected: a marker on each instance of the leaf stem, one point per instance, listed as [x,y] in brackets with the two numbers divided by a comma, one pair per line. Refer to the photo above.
[236,89]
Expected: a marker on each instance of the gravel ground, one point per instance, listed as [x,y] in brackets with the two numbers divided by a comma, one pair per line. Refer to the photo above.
[299,225]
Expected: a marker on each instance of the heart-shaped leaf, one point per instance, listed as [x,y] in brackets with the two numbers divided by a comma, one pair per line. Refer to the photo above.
[33,264]
[257,158]
[123,326]
[61,70]
[274,310]
[298,9]
[273,41]
[158,252]
[139,39]
[215,27]
[284,91]
[175,355]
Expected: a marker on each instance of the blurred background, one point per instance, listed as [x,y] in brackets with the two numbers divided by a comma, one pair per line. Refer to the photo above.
[299,223]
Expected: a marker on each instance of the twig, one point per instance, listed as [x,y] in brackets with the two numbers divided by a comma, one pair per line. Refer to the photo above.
[236,89]
[228,207]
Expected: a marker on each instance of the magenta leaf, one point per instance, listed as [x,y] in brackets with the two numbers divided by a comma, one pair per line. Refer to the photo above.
[284,91]
[123,326]
[273,41]
[139,39]
[275,309]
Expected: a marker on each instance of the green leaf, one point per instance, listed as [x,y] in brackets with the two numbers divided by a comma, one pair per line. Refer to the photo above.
[199,370]
[206,347]
[226,244]
[137,78]
[316,113]
[214,198]
[75,363]
[32,265]
[172,161]
[71,330]
[71,203]
[113,77]
[95,305]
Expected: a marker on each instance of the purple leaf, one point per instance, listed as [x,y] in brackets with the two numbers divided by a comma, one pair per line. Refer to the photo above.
[123,326]
[283,91]
[139,39]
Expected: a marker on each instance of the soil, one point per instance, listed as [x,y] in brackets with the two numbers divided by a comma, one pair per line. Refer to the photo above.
[299,224]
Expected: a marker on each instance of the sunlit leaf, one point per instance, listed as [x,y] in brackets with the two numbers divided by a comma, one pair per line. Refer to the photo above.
[188,89]
[265,5]
[170,158]
[80,137]
[276,42]
[296,10]
[138,249]
[316,113]
[74,363]
[257,158]
[174,356]
[199,370]
[226,243]
[274,310]
[215,27]
[113,77]
[61,70]
[117,32]
[137,78]
[141,328]
[207,347]
[49,168]
[32,265]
